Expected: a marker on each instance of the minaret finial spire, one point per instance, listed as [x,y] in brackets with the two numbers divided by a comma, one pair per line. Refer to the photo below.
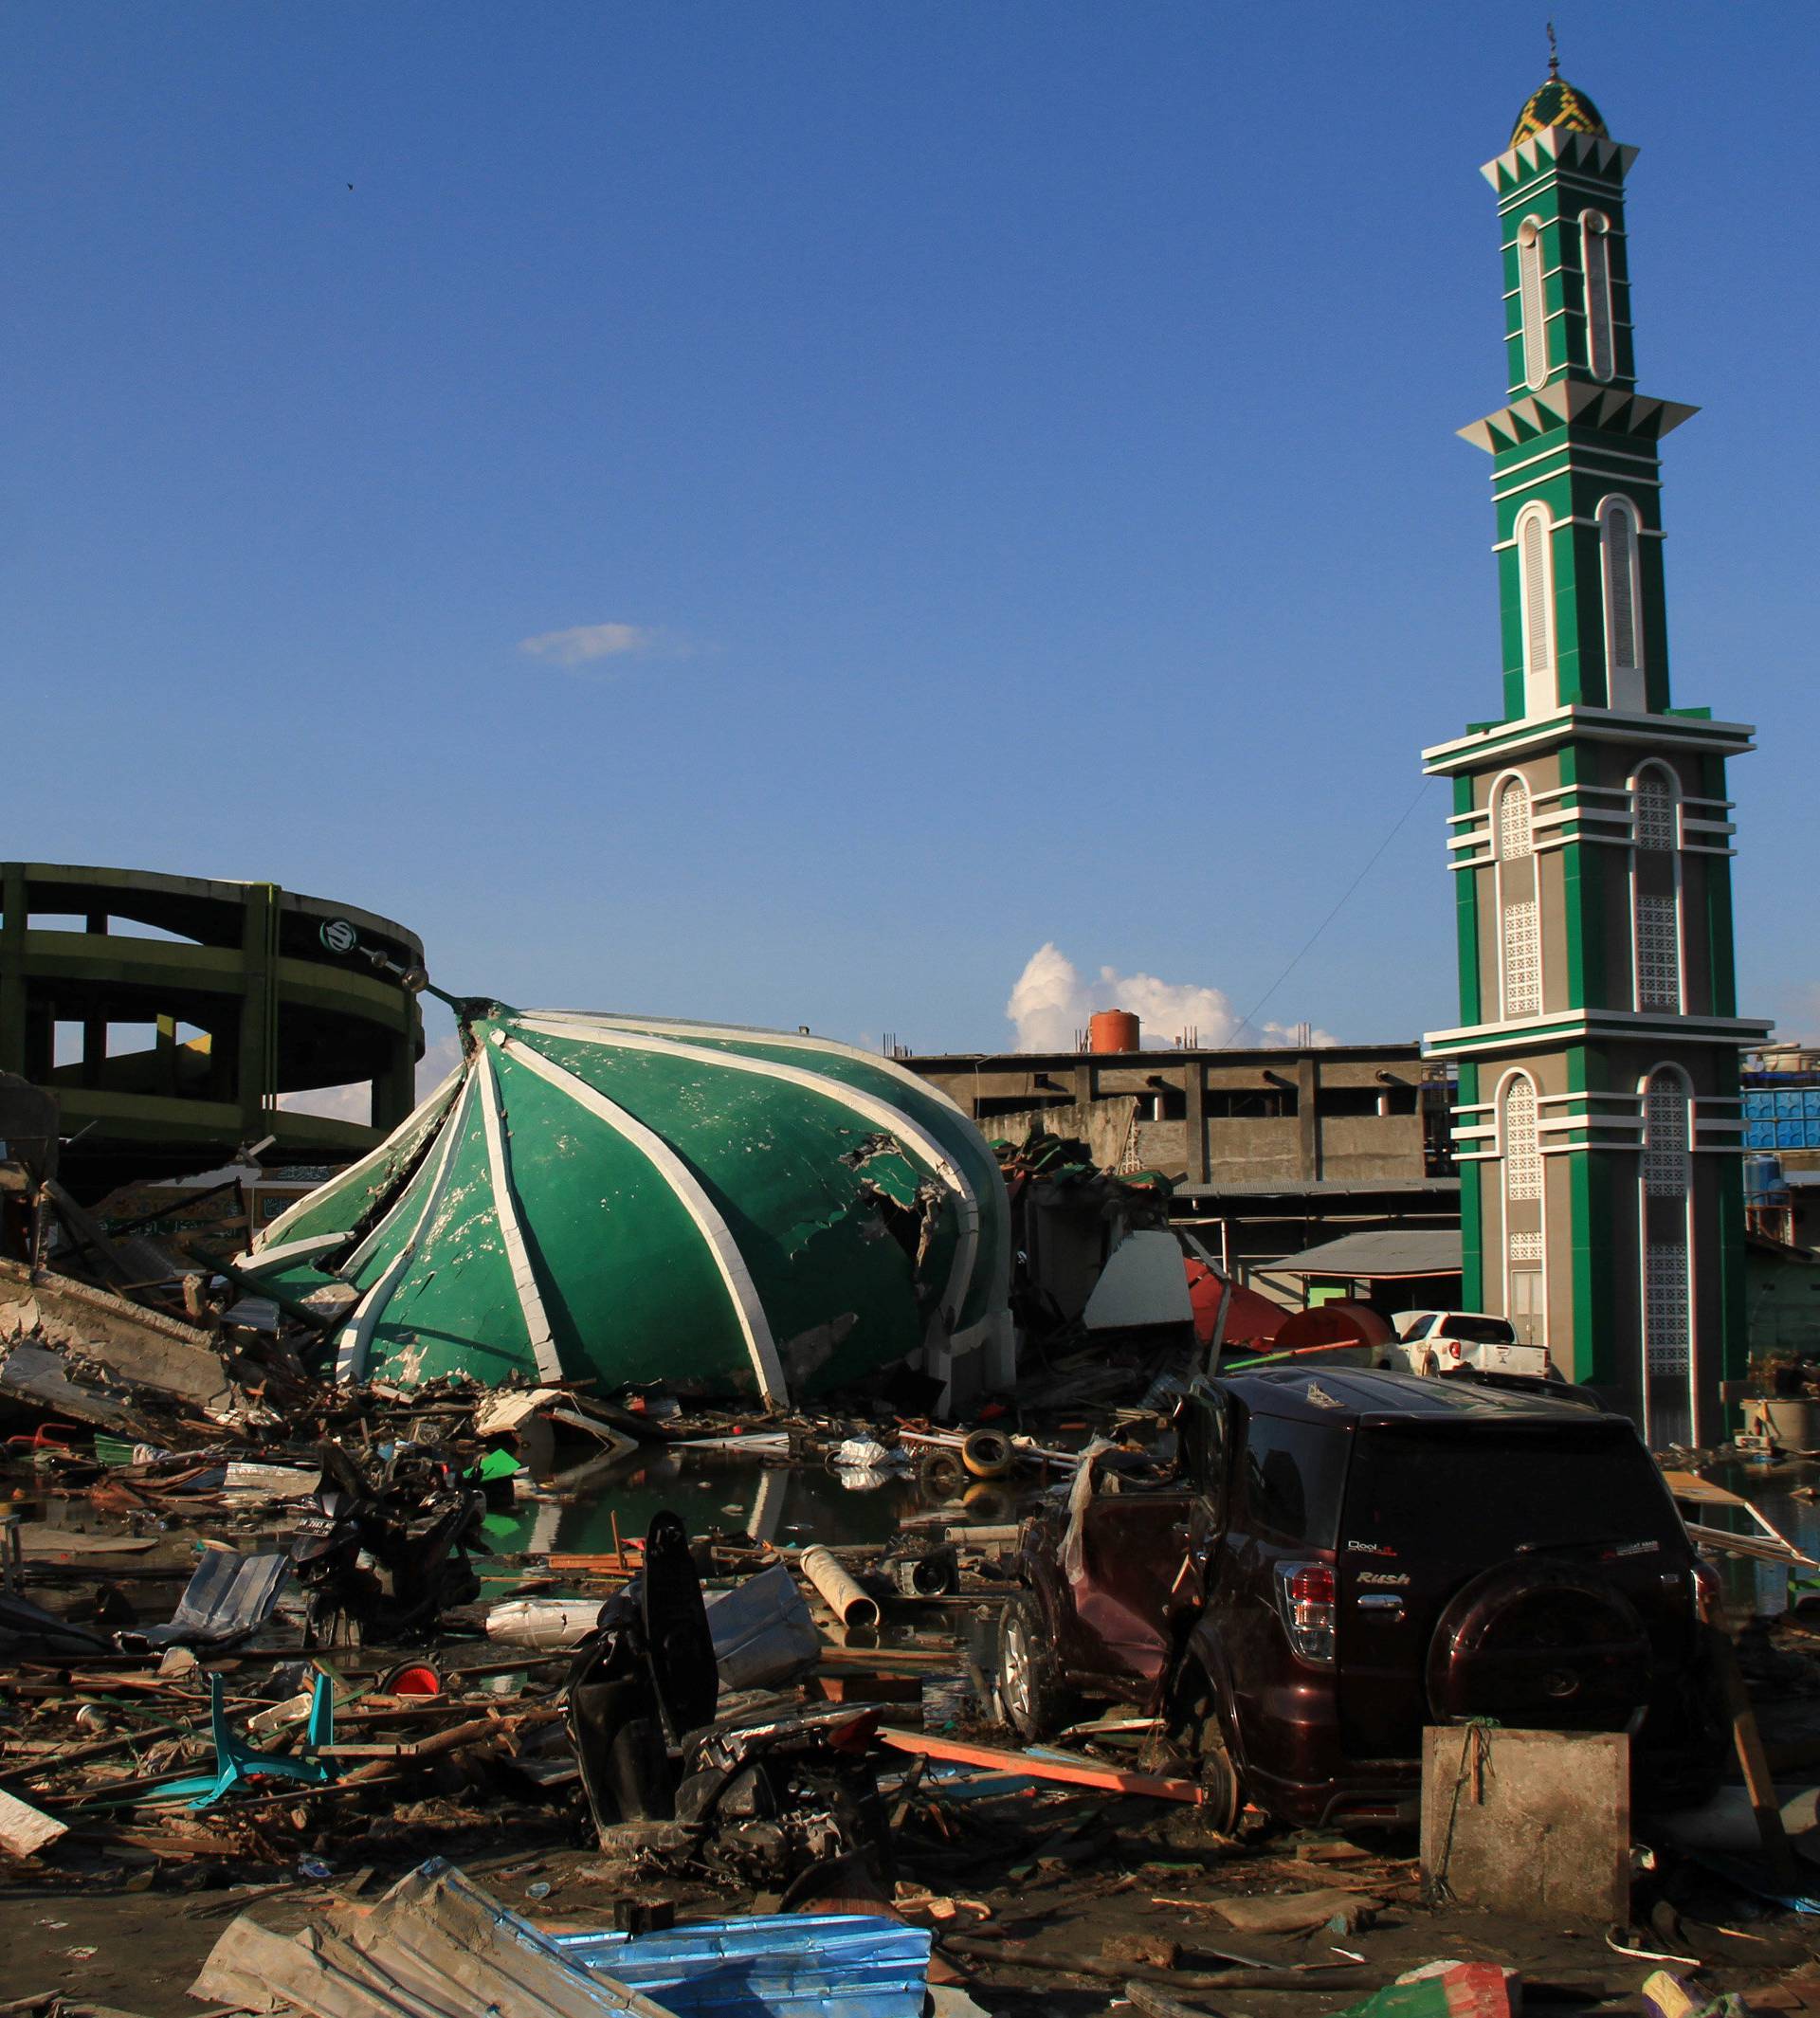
[1553,54]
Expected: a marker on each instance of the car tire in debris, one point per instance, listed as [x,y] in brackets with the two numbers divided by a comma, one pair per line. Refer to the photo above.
[987,1454]
[1545,1646]
[941,1472]
[1035,1700]
[1194,1727]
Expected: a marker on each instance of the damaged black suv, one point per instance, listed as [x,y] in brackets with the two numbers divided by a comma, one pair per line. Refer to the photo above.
[1346,1555]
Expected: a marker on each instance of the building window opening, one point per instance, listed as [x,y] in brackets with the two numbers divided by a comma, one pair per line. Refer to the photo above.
[990,1107]
[1536,585]
[1243,1104]
[1618,568]
[1595,261]
[1342,1103]
[1531,303]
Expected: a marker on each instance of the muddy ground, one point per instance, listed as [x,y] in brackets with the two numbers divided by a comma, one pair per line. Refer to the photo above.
[1038,1878]
[1023,1881]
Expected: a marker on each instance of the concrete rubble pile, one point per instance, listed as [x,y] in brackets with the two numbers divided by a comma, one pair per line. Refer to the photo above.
[448,1695]
[302,1683]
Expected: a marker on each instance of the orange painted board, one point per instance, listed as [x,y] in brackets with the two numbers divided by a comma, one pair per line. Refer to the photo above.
[1070,1773]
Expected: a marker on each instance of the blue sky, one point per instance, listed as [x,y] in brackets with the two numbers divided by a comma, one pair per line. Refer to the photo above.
[999,458]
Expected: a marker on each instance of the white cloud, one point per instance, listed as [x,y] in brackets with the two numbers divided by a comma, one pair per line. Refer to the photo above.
[582,644]
[1051,1001]
[439,1059]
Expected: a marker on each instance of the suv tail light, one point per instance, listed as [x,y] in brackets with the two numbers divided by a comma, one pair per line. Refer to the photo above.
[1709,1592]
[1306,1597]
[1453,1348]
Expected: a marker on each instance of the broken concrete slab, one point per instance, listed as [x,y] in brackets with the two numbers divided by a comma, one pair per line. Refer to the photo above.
[120,1341]
[1532,1823]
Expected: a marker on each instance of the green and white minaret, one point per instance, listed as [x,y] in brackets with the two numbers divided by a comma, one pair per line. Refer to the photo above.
[1598,1128]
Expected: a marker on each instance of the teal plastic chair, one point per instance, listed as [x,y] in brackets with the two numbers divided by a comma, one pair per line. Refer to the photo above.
[236,1761]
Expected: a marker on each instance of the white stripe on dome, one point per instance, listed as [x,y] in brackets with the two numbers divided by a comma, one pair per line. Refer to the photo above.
[869,1105]
[741,1290]
[356,1335]
[290,1250]
[536,1320]
[313,1200]
[783,1040]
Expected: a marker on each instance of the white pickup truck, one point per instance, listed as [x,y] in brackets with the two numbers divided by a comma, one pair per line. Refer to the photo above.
[1441,1341]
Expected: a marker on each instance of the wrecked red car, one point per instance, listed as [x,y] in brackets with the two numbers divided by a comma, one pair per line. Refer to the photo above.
[1342,1556]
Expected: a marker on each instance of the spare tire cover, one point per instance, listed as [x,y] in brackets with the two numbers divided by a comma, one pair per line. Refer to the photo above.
[1540,1645]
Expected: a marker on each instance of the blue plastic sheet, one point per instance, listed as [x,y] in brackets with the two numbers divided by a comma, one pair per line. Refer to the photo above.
[783,1965]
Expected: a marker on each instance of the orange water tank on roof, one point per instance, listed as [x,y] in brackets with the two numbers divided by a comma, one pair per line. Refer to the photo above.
[1112,1030]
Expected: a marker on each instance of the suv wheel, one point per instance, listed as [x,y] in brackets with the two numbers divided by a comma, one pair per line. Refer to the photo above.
[1035,1699]
[1195,1726]
[1219,1780]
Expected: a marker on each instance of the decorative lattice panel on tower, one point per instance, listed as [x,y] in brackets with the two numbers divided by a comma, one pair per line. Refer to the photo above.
[1655,816]
[1522,1154]
[1514,838]
[1522,960]
[1658,953]
[1666,1306]
[1665,1137]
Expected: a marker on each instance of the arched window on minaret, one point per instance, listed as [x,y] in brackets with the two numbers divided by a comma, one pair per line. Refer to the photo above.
[1655,890]
[1666,1206]
[1536,581]
[1520,937]
[1595,265]
[1524,1210]
[1532,303]
[1619,572]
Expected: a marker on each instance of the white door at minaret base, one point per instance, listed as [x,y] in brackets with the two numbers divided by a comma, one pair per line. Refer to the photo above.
[1526,1305]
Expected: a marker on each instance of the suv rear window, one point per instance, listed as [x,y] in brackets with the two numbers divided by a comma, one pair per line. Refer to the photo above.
[1472,1330]
[1294,1473]
[1492,1489]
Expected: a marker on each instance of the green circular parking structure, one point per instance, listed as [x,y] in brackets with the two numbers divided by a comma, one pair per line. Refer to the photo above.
[172,1015]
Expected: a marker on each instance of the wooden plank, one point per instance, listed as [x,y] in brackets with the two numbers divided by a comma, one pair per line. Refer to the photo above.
[25,1829]
[1066,1773]
[1758,1781]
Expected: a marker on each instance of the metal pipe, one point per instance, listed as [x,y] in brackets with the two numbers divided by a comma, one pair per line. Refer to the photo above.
[845,1598]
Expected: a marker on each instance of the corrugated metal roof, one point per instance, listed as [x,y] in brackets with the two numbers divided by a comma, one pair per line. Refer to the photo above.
[1405,1251]
[1320,1188]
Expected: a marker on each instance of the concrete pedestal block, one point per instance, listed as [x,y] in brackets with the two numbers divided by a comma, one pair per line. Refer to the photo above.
[1532,1823]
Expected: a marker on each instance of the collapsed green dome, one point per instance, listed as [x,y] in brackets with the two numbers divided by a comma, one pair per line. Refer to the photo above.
[627,1200]
[1558,104]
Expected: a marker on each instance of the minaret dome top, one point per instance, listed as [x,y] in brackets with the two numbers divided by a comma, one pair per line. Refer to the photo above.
[1558,104]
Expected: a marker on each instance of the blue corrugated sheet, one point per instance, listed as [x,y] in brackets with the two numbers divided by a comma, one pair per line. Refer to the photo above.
[783,1965]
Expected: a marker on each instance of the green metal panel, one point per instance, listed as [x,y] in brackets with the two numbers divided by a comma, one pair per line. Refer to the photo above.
[1465,912]
[719,1209]
[458,1291]
[789,1173]
[940,1117]
[1472,1218]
